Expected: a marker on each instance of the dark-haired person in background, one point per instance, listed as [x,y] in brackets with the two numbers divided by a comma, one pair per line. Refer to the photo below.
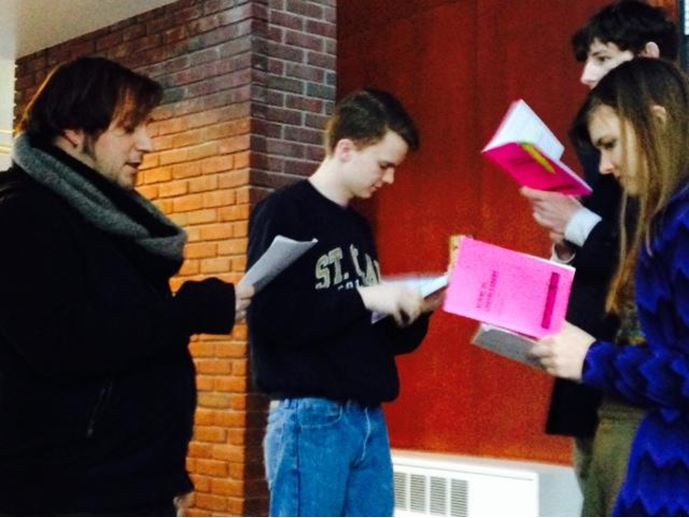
[587,236]
[315,352]
[97,388]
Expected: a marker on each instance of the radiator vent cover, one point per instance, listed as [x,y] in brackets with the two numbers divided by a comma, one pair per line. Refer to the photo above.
[429,484]
[431,495]
[459,498]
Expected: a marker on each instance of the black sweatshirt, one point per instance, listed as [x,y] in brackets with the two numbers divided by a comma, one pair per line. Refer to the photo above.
[311,335]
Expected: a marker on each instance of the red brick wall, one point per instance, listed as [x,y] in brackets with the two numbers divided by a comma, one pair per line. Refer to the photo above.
[297,92]
[248,84]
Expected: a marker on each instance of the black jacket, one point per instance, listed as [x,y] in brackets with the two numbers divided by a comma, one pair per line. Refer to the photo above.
[574,407]
[97,388]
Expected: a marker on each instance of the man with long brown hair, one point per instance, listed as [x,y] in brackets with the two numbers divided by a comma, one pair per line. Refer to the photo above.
[97,388]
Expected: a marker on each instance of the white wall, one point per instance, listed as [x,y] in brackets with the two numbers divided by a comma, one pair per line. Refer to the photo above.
[6,110]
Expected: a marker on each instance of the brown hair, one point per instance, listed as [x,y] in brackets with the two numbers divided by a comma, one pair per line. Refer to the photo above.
[633,90]
[364,116]
[629,24]
[89,94]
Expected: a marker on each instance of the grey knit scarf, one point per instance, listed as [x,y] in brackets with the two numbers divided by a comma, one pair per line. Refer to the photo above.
[94,205]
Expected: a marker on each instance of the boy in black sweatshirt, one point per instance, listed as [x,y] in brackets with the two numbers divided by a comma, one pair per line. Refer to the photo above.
[315,351]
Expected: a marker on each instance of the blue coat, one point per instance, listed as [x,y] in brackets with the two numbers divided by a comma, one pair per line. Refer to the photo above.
[657,376]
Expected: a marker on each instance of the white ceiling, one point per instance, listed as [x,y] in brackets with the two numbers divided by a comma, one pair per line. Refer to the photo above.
[30,25]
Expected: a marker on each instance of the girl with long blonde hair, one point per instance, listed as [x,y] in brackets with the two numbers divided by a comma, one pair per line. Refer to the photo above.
[638,118]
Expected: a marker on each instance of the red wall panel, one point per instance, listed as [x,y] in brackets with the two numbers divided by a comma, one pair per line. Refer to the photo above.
[457,65]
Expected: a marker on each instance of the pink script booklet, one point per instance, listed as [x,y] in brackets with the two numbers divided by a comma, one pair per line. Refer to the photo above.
[525,148]
[513,290]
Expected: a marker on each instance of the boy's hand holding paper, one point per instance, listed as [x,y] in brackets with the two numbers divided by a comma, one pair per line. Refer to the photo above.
[551,210]
[430,289]
[396,299]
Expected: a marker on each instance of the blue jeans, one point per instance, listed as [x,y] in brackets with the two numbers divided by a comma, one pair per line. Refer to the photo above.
[326,458]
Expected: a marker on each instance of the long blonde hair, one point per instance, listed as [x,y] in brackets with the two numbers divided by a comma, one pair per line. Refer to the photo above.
[634,90]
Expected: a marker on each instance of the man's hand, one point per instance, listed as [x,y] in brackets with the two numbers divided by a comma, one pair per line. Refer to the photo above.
[551,210]
[563,354]
[242,297]
[403,303]
[433,301]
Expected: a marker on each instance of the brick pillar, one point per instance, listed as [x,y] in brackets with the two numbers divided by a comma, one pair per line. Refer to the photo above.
[293,91]
[248,84]
[297,92]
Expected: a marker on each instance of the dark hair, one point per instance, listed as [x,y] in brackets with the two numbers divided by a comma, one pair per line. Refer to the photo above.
[629,24]
[634,90]
[89,94]
[364,116]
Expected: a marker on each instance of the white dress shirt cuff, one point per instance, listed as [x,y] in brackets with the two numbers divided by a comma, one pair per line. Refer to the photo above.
[581,225]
